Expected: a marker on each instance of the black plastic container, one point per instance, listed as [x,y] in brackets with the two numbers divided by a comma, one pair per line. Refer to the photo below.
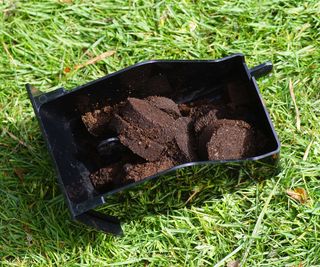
[74,151]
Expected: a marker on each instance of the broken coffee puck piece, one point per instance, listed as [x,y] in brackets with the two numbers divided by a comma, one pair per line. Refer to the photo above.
[136,139]
[165,104]
[227,139]
[97,120]
[106,178]
[185,140]
[152,122]
[139,171]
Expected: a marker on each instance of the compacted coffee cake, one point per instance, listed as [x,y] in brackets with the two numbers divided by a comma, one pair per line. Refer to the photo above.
[158,134]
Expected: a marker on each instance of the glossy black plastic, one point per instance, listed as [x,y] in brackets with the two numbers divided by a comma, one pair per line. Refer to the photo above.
[74,151]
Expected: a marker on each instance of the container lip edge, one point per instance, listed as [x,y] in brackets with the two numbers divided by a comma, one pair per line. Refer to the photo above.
[138,64]
[155,61]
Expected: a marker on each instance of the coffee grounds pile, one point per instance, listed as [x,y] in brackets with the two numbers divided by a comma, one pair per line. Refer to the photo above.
[159,134]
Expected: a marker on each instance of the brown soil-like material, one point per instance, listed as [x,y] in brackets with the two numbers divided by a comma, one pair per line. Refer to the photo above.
[227,139]
[161,134]
[97,120]
[165,104]
[135,172]
[106,177]
[185,140]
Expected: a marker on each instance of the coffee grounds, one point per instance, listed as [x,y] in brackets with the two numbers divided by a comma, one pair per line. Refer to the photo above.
[105,177]
[135,139]
[97,120]
[227,139]
[139,171]
[165,104]
[161,134]
[184,138]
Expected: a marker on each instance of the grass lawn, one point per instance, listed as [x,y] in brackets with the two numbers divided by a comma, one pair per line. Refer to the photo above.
[207,218]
